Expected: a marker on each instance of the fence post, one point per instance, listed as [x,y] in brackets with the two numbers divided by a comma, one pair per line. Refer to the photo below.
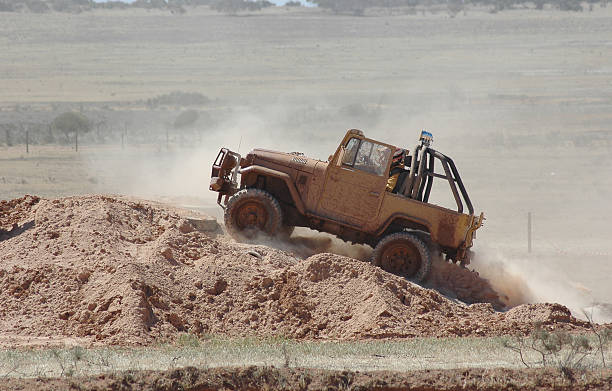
[27,141]
[529,232]
[76,141]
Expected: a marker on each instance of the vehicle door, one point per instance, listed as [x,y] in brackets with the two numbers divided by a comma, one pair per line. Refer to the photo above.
[355,182]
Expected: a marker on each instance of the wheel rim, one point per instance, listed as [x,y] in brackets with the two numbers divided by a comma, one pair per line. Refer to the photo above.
[251,216]
[401,258]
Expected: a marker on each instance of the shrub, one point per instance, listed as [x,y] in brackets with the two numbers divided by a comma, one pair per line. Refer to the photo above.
[71,122]
[565,351]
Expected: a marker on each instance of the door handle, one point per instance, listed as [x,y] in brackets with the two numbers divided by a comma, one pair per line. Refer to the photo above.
[374,193]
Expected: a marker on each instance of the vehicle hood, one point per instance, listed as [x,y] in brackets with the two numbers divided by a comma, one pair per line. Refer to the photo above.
[293,160]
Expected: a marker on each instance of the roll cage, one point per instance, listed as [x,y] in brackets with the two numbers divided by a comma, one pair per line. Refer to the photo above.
[418,181]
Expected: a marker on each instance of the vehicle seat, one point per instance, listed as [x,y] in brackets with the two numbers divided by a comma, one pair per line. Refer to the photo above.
[400,181]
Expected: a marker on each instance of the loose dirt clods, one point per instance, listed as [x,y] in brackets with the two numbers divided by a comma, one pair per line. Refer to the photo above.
[110,270]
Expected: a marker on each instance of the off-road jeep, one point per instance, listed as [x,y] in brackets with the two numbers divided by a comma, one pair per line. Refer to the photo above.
[346,196]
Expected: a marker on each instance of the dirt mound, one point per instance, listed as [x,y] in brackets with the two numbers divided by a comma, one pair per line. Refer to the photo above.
[452,280]
[117,271]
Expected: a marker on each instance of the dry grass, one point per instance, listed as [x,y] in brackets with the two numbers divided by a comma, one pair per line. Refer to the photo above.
[419,353]
[188,350]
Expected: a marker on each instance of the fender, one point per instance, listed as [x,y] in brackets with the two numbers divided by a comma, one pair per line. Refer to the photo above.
[401,216]
[281,175]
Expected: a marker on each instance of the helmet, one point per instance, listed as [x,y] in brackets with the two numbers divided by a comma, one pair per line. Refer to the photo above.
[398,156]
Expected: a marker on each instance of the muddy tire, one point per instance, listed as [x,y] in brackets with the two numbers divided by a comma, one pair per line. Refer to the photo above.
[403,254]
[251,212]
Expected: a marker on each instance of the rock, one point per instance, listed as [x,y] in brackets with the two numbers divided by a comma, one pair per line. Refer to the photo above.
[208,224]
[167,253]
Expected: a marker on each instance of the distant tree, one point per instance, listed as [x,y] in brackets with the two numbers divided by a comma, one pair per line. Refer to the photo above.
[111,5]
[190,2]
[355,7]
[293,4]
[178,98]
[454,7]
[570,5]
[150,4]
[71,122]
[232,7]
[9,130]
[7,6]
[186,119]
[176,9]
[37,6]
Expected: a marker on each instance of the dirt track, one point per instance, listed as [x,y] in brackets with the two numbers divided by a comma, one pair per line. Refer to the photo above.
[254,378]
[107,270]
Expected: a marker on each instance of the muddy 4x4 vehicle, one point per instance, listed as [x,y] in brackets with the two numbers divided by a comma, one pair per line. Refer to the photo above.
[346,196]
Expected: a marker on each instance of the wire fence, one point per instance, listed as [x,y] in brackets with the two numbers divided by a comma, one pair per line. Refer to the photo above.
[36,136]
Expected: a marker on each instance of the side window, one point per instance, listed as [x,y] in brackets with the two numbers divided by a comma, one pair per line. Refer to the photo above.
[372,158]
[363,162]
[366,156]
[380,157]
[350,152]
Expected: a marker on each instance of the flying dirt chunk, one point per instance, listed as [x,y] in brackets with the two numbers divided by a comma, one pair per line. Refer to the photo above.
[14,215]
[368,192]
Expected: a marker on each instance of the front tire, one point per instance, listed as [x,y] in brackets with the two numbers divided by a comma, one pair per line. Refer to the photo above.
[252,211]
[403,254]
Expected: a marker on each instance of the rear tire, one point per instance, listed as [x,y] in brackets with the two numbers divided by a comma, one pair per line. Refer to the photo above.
[403,254]
[252,211]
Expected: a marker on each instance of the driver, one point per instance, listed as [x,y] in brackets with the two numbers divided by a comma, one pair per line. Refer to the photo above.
[397,167]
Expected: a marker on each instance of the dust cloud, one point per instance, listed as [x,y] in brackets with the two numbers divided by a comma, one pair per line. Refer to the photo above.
[182,172]
[538,278]
[304,243]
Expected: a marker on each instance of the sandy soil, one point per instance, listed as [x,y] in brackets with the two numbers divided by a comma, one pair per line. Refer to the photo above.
[112,270]
[253,378]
